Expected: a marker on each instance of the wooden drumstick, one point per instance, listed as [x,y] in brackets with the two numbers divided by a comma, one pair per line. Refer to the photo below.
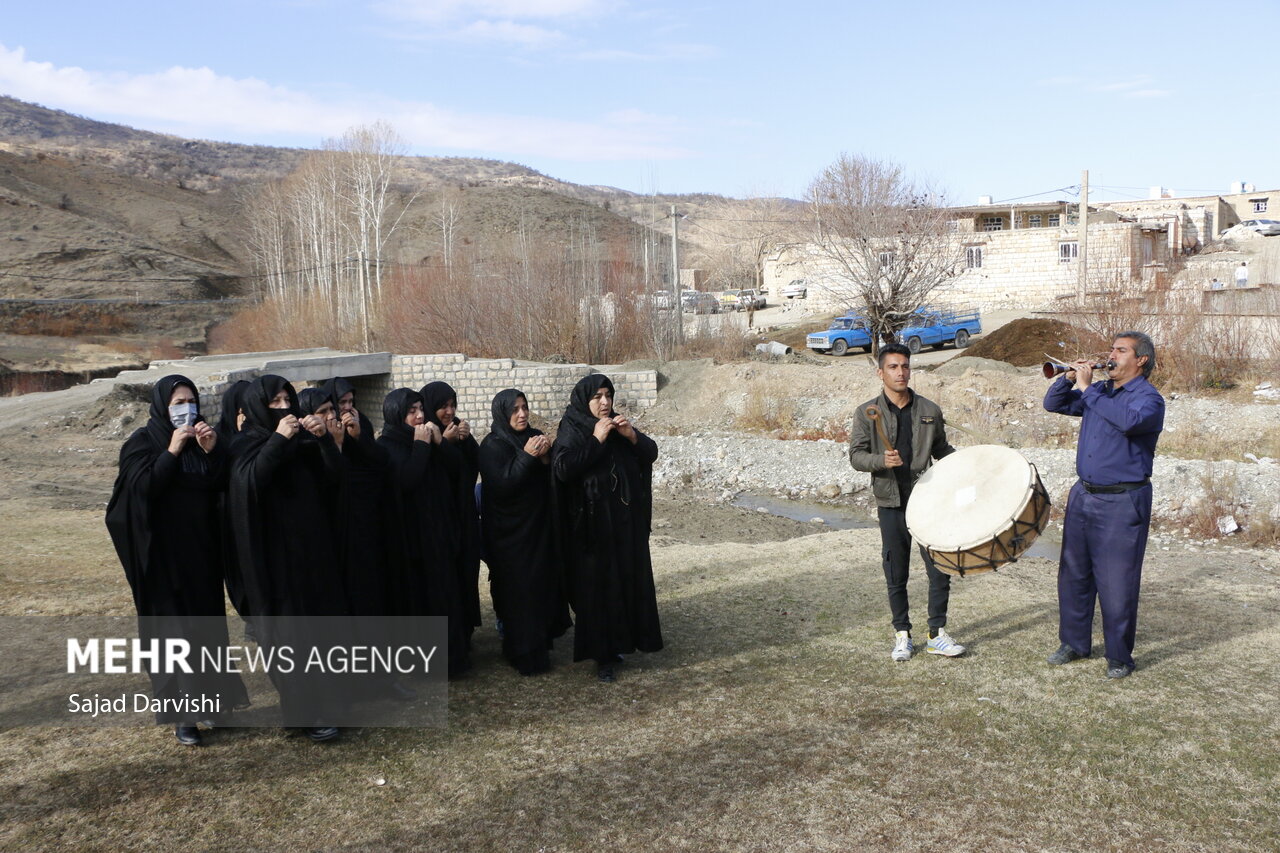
[874,413]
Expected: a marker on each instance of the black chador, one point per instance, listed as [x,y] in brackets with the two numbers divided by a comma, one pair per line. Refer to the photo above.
[519,535]
[228,428]
[281,512]
[164,522]
[361,550]
[605,504]
[453,471]
[419,546]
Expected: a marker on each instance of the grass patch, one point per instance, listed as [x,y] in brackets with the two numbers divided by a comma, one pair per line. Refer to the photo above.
[774,719]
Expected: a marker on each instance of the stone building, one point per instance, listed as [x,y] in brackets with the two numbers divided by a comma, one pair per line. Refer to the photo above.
[1008,256]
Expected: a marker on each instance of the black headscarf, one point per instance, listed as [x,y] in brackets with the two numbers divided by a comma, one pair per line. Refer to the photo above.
[434,396]
[577,414]
[337,388]
[504,404]
[310,399]
[395,408]
[227,428]
[160,428]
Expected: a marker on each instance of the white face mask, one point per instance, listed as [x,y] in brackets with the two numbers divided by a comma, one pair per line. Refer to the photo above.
[183,414]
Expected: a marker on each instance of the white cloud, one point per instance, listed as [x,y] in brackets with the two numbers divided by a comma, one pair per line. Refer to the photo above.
[439,11]
[1148,93]
[200,102]
[509,31]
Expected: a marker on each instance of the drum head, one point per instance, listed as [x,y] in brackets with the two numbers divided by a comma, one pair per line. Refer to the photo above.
[968,497]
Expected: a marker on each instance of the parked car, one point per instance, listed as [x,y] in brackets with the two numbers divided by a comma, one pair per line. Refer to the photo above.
[729,300]
[935,328]
[662,300]
[751,299]
[1265,227]
[795,290]
[842,335]
[699,302]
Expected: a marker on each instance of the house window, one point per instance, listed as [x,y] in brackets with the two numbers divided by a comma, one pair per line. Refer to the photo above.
[886,260]
[1259,205]
[1054,220]
[1033,221]
[953,225]
[973,257]
[993,223]
[1068,251]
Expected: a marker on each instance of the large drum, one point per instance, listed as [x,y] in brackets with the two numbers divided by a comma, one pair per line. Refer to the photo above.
[977,509]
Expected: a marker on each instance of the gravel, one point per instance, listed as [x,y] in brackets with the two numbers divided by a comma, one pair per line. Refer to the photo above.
[729,465]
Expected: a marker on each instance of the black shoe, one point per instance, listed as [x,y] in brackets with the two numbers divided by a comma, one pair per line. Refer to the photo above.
[1064,654]
[320,734]
[187,735]
[605,673]
[1115,669]
[400,692]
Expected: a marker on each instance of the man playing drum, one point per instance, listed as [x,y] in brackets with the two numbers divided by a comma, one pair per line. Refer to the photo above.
[1104,534]
[907,436]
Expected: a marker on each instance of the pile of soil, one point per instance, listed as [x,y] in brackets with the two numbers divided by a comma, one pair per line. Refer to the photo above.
[1025,342]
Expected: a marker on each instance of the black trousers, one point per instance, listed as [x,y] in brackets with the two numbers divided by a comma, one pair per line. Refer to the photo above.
[895,544]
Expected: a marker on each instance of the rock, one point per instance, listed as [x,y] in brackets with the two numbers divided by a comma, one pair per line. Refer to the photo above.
[830,490]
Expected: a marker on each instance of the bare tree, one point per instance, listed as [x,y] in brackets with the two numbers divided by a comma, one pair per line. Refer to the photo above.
[885,235]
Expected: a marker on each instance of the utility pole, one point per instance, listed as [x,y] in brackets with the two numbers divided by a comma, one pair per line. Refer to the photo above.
[1082,240]
[676,309]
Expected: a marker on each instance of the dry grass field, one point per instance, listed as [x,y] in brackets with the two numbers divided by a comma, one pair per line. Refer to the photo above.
[773,720]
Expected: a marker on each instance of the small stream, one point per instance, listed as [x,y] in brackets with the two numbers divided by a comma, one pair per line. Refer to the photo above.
[846,518]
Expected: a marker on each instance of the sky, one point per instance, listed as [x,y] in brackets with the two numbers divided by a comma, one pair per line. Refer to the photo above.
[747,98]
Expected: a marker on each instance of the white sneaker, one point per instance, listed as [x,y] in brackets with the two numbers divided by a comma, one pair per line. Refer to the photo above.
[944,645]
[902,647]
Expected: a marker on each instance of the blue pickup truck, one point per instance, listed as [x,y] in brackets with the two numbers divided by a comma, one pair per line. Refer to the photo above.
[927,327]
[930,327]
[844,334]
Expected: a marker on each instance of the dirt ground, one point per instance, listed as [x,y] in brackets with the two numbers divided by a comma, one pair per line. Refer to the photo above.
[774,718]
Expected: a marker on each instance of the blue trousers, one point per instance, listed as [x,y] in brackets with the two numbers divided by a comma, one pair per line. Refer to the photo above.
[1104,538]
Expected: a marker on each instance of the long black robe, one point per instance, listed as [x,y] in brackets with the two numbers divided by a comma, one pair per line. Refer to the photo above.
[360,503]
[227,432]
[423,565]
[282,517]
[164,521]
[519,541]
[457,465]
[604,498]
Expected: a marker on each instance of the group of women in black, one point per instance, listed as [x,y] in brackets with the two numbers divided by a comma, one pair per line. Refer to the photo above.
[302,511]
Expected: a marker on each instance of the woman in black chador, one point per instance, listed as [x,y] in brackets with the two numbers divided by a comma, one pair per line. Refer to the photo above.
[280,503]
[603,468]
[228,428]
[421,566]
[452,472]
[164,521]
[519,535]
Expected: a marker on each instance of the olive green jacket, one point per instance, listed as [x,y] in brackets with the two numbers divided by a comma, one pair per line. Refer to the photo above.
[866,449]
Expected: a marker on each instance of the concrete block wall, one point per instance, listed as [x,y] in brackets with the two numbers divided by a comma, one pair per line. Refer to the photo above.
[547,386]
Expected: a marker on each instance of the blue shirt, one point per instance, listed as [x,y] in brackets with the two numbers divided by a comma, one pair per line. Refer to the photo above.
[1119,430]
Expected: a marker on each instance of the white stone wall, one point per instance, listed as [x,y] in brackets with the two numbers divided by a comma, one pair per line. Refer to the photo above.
[547,386]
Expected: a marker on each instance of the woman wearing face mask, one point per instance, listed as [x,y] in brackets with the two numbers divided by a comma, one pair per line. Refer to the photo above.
[420,566]
[453,473]
[603,467]
[519,540]
[284,539]
[164,522]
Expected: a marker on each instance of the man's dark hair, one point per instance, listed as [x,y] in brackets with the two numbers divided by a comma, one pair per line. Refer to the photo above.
[890,349]
[1142,345]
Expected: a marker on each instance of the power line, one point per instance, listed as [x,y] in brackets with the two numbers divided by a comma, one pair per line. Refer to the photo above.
[184,280]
